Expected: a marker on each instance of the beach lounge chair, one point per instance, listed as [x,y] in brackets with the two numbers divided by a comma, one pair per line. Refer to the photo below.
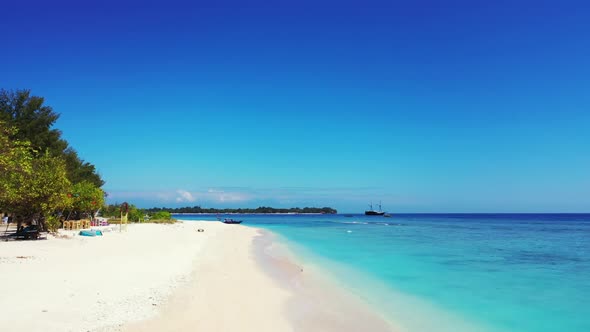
[67,225]
[85,223]
[30,232]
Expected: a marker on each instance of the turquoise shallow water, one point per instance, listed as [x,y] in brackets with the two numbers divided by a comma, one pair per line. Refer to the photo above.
[526,273]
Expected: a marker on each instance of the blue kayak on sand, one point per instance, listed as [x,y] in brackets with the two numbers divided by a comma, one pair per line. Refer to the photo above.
[90,233]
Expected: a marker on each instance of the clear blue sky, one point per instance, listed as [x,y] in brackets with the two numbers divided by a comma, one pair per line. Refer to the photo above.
[429,106]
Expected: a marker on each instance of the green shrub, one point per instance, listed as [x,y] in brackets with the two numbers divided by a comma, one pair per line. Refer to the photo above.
[53,223]
[161,215]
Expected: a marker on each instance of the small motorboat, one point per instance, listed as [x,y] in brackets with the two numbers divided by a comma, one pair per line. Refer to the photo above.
[231,221]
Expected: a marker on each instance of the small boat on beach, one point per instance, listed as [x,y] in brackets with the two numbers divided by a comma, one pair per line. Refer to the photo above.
[231,221]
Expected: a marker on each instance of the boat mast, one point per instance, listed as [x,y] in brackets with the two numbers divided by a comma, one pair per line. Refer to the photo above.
[379,206]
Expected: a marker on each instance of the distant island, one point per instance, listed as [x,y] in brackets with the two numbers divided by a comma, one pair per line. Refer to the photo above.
[262,209]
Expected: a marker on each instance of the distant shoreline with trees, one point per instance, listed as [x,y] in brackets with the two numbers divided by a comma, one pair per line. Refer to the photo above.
[259,210]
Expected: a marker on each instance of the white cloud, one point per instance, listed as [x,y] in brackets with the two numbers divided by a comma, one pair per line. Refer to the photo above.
[232,197]
[184,196]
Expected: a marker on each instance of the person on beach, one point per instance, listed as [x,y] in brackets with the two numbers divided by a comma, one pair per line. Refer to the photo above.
[5,219]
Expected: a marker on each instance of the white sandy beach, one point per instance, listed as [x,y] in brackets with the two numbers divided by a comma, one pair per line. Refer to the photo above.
[164,278]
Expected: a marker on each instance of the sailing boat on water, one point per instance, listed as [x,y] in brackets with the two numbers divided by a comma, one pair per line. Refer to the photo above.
[373,212]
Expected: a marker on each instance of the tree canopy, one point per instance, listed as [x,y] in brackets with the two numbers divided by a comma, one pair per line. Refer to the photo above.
[32,184]
[34,123]
[15,166]
[114,211]
[86,197]
[41,176]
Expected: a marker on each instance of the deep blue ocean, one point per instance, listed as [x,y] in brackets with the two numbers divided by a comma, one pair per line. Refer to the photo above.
[453,272]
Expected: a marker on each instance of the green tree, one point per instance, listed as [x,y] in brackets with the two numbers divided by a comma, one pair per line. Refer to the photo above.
[48,189]
[114,211]
[79,170]
[32,119]
[16,166]
[161,215]
[32,186]
[87,198]
[135,214]
[111,211]
[34,123]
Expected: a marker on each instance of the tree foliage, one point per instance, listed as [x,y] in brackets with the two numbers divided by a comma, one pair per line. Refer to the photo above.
[40,175]
[111,211]
[162,215]
[34,123]
[49,186]
[32,184]
[135,214]
[33,120]
[15,166]
[86,197]
[114,211]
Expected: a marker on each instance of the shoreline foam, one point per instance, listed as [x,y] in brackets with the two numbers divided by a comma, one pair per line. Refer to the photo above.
[404,311]
[316,302]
